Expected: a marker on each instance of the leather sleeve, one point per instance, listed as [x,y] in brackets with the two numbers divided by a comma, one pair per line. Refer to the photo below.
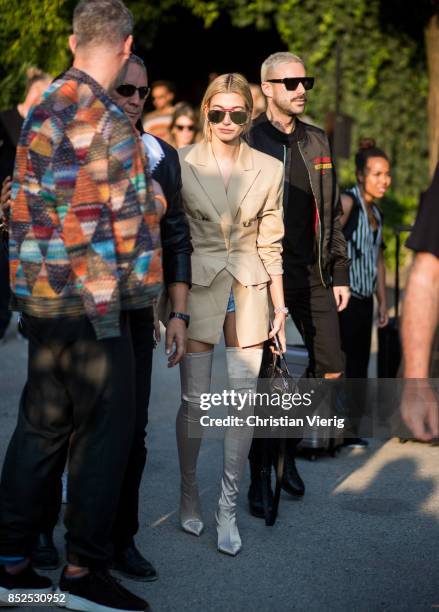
[340,259]
[174,226]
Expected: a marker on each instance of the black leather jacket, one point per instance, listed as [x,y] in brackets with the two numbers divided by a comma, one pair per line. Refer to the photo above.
[314,147]
[174,226]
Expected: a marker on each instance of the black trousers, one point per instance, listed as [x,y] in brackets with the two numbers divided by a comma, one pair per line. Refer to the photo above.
[5,313]
[356,334]
[314,313]
[78,398]
[126,524]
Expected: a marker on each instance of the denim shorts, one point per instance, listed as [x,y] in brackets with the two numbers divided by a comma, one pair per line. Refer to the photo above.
[231,305]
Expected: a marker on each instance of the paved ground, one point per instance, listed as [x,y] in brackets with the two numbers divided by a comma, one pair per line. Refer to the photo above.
[364,538]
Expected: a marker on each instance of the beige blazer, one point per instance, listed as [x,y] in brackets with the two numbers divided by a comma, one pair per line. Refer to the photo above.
[237,240]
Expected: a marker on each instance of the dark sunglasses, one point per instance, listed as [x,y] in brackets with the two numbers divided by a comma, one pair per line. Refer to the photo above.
[191,128]
[292,83]
[237,117]
[129,90]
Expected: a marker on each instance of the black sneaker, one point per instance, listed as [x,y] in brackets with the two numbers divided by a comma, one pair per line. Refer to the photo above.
[355,443]
[27,580]
[98,591]
[132,564]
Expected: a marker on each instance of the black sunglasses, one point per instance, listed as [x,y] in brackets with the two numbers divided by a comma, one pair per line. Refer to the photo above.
[127,90]
[292,83]
[238,117]
[191,128]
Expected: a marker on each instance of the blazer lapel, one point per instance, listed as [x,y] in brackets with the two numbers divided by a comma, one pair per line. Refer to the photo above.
[243,176]
[206,171]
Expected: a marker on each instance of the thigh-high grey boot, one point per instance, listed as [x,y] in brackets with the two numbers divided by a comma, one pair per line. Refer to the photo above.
[243,367]
[195,375]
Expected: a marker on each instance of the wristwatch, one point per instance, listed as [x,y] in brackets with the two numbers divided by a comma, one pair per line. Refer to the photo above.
[180,315]
[283,309]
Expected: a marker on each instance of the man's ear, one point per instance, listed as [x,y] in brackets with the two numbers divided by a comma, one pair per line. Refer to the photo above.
[360,178]
[267,89]
[73,43]
[128,43]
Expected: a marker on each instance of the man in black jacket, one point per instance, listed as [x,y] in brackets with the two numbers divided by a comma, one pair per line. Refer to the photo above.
[316,279]
[164,167]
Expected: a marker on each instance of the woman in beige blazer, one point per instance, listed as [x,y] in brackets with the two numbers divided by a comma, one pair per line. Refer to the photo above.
[232,195]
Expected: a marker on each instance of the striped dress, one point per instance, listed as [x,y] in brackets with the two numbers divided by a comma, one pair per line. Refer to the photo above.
[364,245]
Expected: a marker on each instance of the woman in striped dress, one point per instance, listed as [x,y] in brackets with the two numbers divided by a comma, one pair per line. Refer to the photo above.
[362,226]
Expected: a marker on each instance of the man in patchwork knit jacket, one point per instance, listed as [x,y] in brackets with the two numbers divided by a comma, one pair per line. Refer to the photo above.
[84,250]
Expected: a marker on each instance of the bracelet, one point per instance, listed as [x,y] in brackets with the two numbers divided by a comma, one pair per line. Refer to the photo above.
[180,315]
[281,309]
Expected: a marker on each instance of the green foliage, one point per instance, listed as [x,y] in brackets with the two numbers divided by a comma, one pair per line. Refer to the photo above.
[384,84]
[31,33]
[397,211]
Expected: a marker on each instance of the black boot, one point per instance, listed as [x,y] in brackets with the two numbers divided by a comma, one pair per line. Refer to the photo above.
[260,493]
[45,556]
[292,482]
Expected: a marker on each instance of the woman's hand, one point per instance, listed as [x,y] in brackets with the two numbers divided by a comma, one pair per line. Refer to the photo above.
[278,329]
[159,199]
[383,316]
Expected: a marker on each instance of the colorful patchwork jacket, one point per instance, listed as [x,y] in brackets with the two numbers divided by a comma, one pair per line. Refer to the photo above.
[84,231]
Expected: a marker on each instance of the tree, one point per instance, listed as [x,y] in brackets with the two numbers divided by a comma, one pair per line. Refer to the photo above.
[31,33]
[432,46]
[385,83]
[420,21]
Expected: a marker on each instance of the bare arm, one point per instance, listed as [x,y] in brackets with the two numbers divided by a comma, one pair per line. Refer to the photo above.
[420,315]
[383,317]
[347,203]
[277,297]
[176,331]
[419,406]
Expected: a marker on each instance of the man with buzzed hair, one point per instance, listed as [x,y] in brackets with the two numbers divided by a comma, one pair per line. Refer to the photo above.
[315,262]
[84,252]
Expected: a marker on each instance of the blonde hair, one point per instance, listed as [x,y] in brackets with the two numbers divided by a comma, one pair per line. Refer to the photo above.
[275,59]
[232,82]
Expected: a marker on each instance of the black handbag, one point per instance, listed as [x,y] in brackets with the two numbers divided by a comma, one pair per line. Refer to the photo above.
[275,370]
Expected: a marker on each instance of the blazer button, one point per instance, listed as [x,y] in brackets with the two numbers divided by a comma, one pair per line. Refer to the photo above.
[247,223]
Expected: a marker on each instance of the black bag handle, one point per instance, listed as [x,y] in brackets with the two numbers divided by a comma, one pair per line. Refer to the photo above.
[280,355]
[270,517]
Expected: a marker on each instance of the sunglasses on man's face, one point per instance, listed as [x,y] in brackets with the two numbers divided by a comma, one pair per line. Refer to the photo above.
[180,128]
[292,83]
[127,91]
[237,117]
